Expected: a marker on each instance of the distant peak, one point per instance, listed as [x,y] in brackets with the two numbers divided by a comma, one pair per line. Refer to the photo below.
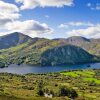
[18,33]
[78,38]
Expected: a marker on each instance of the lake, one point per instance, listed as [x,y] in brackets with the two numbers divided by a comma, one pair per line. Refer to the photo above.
[25,69]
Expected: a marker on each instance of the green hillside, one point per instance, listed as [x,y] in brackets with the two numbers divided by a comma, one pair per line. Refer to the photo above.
[34,51]
[67,54]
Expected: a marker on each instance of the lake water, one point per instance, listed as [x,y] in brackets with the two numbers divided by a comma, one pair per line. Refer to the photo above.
[25,69]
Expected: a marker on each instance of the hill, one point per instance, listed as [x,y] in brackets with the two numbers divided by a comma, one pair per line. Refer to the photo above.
[67,54]
[13,39]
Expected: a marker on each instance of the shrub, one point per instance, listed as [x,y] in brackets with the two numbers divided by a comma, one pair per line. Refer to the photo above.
[39,89]
[64,91]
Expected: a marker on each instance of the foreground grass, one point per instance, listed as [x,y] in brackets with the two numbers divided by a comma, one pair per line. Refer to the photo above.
[24,87]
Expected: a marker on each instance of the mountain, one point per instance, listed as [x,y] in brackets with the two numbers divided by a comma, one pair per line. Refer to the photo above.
[45,55]
[65,55]
[90,45]
[13,39]
[42,51]
[77,39]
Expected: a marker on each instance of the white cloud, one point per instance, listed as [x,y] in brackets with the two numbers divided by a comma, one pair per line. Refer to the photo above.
[8,7]
[9,15]
[46,16]
[31,4]
[4,33]
[63,26]
[89,4]
[8,12]
[29,27]
[75,24]
[91,32]
[94,6]
[98,7]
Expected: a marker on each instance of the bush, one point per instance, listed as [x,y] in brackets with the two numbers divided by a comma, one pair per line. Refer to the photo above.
[64,91]
[40,92]
[49,91]
[39,89]
[73,94]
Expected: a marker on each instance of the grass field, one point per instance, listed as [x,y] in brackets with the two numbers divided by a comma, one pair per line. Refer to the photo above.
[86,83]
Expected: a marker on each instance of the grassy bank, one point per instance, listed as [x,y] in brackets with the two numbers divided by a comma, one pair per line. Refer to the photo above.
[80,85]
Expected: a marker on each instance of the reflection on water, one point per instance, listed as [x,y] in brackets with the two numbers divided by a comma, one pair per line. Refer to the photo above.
[24,69]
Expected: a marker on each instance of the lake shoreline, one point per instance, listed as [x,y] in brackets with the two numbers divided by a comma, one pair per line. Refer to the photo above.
[25,69]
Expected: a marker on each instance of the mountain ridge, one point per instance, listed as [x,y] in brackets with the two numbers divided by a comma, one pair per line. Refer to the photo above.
[30,50]
[71,40]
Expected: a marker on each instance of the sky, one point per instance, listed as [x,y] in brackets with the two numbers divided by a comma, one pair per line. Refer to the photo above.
[51,18]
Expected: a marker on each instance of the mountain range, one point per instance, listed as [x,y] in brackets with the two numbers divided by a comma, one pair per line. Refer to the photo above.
[19,48]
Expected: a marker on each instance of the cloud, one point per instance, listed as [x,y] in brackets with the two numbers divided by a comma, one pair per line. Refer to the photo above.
[94,6]
[30,27]
[8,12]
[4,33]
[8,7]
[31,4]
[9,22]
[90,32]
[89,4]
[98,7]
[75,24]
[47,16]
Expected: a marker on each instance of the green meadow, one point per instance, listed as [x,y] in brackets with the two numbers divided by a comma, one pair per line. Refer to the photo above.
[67,85]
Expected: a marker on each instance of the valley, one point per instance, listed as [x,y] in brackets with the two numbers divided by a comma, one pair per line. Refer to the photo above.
[49,49]
[71,66]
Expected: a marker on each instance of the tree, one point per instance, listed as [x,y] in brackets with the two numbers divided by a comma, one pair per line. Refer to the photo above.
[64,91]
[40,92]
[39,89]
[73,94]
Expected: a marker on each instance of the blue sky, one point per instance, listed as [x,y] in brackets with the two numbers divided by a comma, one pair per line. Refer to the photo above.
[52,19]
